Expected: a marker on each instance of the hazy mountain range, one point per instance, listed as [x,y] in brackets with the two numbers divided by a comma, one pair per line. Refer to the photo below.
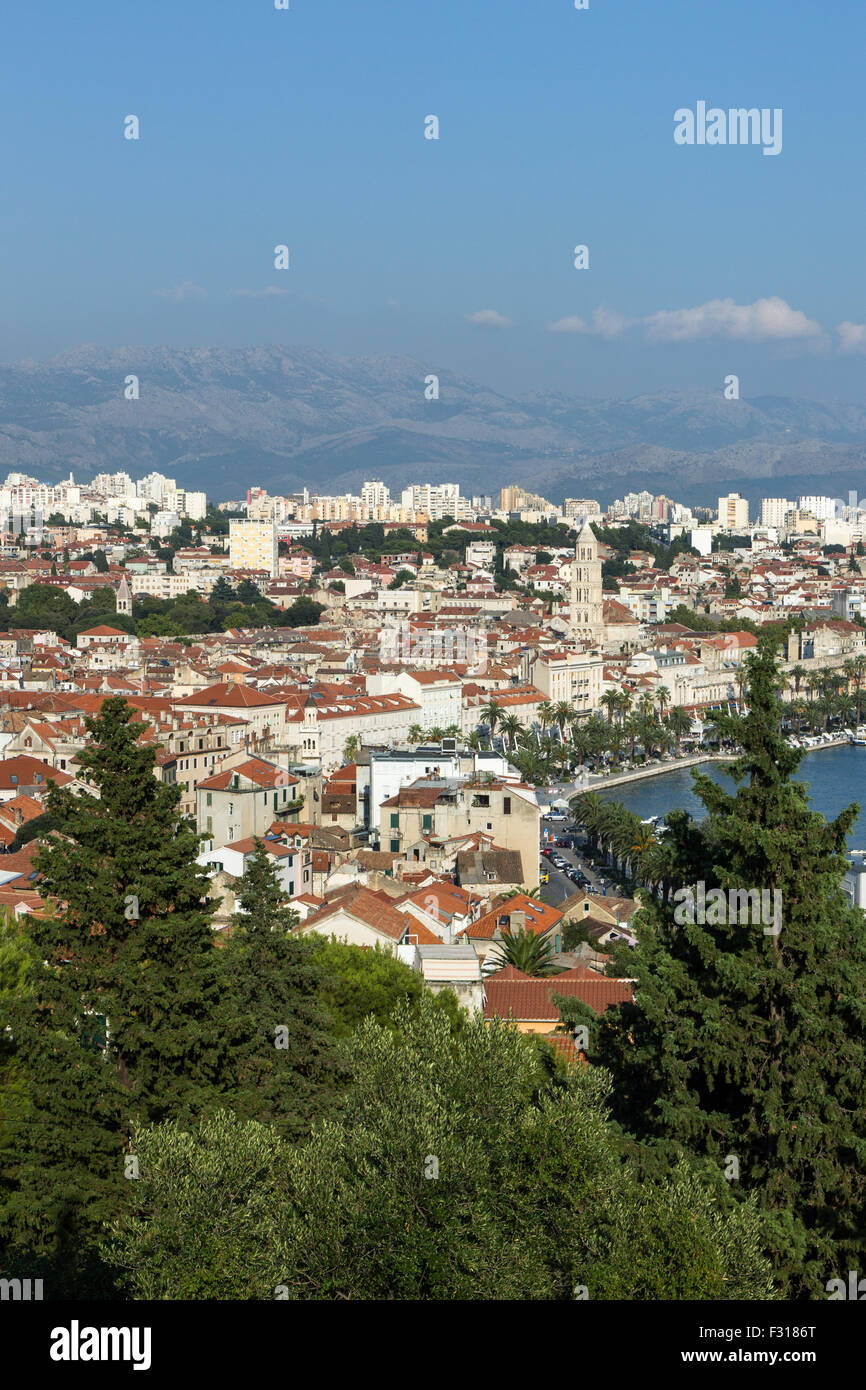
[221,419]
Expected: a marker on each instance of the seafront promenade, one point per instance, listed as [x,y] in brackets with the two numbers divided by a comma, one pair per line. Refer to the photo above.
[596,782]
[639,774]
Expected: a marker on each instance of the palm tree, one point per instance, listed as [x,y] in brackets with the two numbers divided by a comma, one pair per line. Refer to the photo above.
[351,748]
[625,700]
[530,953]
[740,682]
[615,739]
[510,726]
[581,741]
[415,734]
[798,675]
[644,840]
[679,724]
[858,671]
[663,696]
[491,715]
[533,768]
[610,699]
[474,741]
[544,711]
[631,729]
[564,714]
[798,713]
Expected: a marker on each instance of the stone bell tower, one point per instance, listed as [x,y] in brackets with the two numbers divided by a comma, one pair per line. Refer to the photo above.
[123,602]
[587,614]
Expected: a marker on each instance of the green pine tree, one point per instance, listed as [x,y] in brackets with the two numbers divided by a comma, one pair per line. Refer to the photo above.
[747,1040]
[283,1065]
[119,1023]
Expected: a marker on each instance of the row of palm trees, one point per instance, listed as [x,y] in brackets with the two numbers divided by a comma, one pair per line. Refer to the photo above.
[641,855]
[435,735]
[831,694]
[576,740]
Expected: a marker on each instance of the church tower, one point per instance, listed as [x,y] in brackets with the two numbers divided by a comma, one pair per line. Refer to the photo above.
[587,615]
[123,603]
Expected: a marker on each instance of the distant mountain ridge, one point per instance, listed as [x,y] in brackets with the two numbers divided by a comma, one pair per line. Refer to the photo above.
[221,419]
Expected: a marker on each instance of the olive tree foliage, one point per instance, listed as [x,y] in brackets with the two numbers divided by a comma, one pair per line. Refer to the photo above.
[460,1169]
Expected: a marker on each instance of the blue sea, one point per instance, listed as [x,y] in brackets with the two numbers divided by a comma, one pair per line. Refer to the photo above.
[835,777]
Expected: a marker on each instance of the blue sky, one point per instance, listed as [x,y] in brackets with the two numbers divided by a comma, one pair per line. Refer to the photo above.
[306,127]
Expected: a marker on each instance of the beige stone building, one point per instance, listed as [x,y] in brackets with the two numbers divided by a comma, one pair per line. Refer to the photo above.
[575,677]
[432,810]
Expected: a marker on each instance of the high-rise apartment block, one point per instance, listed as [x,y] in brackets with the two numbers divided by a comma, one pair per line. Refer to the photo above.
[435,499]
[774,510]
[253,545]
[733,512]
[581,506]
[375,494]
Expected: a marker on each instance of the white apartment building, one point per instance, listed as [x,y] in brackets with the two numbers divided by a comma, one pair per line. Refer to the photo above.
[733,512]
[436,500]
[191,504]
[253,546]
[164,522]
[155,487]
[113,485]
[481,554]
[774,510]
[375,494]
[821,508]
[437,692]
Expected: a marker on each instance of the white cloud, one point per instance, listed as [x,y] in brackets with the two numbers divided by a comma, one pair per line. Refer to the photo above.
[186,290]
[488,318]
[852,336]
[267,293]
[609,324]
[606,323]
[766,319]
[569,325]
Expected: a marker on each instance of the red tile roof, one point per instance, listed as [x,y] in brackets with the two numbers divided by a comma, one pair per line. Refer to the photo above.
[540,918]
[367,907]
[509,994]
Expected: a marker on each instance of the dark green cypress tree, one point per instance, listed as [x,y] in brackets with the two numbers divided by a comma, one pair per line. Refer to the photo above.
[282,1056]
[748,1040]
[119,1023]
